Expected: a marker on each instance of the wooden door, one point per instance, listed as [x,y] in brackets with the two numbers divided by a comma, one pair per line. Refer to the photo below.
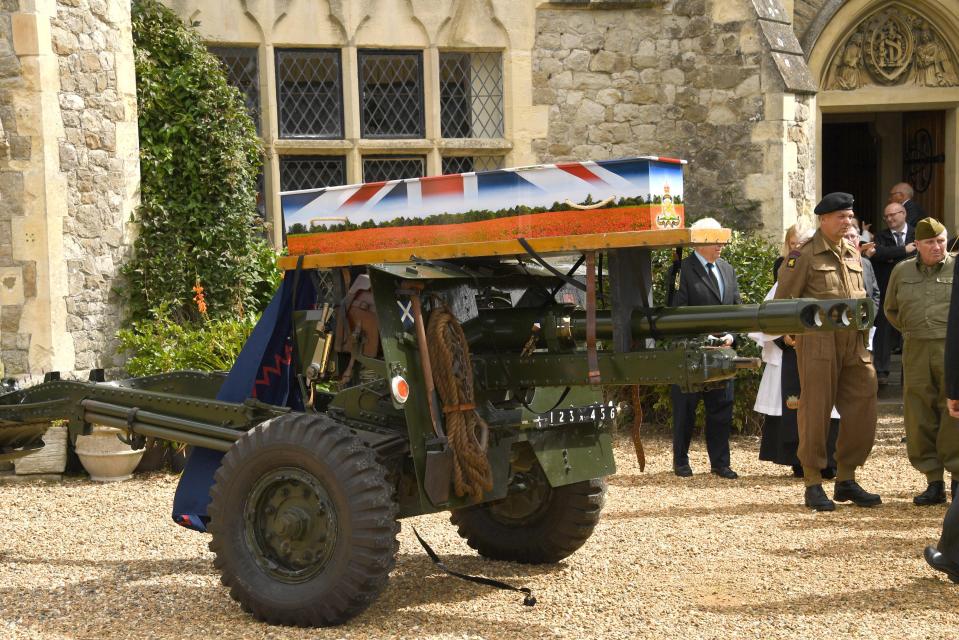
[850,163]
[924,154]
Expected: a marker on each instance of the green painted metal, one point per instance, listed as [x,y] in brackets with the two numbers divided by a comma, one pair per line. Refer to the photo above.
[291,524]
[570,454]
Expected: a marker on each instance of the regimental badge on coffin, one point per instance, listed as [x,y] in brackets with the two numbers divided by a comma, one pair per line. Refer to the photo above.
[667,218]
[890,48]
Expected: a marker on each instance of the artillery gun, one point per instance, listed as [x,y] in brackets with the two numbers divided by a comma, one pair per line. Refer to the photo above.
[402,374]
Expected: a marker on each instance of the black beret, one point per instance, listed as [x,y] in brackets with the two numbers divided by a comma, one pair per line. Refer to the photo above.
[837,201]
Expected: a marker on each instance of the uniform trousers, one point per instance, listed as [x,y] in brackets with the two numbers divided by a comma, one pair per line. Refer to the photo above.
[949,541]
[719,418]
[835,369]
[932,435]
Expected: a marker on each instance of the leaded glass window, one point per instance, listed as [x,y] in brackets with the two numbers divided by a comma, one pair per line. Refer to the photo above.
[309,93]
[466,164]
[382,168]
[391,94]
[471,95]
[311,172]
[242,71]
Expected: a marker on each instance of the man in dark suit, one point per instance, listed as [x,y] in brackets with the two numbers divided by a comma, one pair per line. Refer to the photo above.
[705,279]
[902,194]
[945,556]
[892,245]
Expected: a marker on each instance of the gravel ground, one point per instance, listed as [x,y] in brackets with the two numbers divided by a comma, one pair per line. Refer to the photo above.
[699,557]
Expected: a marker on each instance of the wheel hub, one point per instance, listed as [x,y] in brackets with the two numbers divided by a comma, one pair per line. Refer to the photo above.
[290,524]
[529,494]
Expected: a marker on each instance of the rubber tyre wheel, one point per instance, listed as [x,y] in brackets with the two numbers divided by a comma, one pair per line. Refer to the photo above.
[556,530]
[364,551]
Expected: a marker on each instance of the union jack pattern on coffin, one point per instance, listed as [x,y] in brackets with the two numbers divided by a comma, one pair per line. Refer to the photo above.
[473,207]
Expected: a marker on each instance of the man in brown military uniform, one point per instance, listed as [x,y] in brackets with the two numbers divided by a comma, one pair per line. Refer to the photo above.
[835,368]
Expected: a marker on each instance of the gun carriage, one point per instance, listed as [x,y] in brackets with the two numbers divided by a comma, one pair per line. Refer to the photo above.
[449,374]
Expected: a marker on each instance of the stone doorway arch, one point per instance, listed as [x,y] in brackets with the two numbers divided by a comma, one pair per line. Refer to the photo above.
[894,66]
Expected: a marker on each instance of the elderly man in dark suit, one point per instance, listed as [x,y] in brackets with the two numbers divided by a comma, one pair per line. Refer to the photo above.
[945,556]
[705,279]
[902,194]
[892,245]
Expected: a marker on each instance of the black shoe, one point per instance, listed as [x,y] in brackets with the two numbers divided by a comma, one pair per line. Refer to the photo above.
[682,470]
[849,490]
[829,473]
[725,472]
[817,499]
[935,493]
[797,471]
[883,378]
[940,562]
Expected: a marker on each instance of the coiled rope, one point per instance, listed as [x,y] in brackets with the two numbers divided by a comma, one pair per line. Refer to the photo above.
[467,432]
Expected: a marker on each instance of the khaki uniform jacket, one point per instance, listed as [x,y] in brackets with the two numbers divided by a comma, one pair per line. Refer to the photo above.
[917,298]
[815,270]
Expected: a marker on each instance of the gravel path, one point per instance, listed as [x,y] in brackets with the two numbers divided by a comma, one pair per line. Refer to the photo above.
[695,558]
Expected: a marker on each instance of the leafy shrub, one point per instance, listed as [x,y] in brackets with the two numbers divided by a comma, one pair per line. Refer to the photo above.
[160,344]
[752,258]
[199,157]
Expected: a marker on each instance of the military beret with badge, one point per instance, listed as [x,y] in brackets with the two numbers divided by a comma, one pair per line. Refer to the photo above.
[836,201]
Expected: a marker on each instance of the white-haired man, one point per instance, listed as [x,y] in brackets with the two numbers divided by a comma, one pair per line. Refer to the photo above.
[705,279]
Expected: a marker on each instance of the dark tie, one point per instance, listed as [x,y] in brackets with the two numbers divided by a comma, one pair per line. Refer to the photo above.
[714,274]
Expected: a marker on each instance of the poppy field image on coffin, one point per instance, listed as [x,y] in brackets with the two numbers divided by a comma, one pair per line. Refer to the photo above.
[536,225]
[540,201]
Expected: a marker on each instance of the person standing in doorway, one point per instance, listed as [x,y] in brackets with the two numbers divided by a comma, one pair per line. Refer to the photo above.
[902,193]
[705,279]
[892,245]
[835,368]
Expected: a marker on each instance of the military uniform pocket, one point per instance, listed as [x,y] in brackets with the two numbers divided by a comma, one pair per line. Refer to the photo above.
[826,278]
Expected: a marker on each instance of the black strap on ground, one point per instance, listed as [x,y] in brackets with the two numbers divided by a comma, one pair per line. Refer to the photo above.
[556,272]
[529,599]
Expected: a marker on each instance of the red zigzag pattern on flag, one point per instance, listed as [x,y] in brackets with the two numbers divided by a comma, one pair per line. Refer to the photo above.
[264,379]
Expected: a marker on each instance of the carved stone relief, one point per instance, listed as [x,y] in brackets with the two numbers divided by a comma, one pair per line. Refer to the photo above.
[893,47]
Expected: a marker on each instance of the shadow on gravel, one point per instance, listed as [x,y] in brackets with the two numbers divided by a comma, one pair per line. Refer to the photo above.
[106,605]
[850,547]
[702,479]
[744,509]
[913,594]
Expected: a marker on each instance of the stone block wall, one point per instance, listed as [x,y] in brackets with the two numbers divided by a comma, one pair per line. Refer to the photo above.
[98,157]
[17,275]
[68,180]
[688,79]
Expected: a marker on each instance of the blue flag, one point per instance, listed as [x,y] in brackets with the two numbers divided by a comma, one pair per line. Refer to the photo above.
[264,371]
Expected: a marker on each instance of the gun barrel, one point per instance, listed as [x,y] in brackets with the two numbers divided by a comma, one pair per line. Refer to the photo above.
[563,326]
[774,317]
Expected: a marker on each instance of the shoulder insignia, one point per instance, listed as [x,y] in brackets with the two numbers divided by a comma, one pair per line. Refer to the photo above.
[791,259]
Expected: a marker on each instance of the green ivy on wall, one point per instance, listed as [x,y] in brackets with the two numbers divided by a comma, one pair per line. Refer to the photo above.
[199,158]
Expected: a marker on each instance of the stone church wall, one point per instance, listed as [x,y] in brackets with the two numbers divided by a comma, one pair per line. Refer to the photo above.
[98,156]
[68,180]
[688,79]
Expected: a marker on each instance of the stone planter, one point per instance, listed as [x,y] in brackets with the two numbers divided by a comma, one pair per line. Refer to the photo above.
[105,457]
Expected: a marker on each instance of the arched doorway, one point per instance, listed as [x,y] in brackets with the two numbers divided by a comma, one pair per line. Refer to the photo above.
[888,106]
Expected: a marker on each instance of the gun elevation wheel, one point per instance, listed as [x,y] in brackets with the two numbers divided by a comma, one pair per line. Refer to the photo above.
[303,522]
[536,523]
